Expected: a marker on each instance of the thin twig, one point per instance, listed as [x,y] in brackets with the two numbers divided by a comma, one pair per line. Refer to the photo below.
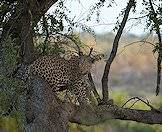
[140,41]
[139,99]
[67,36]
[137,18]
[133,103]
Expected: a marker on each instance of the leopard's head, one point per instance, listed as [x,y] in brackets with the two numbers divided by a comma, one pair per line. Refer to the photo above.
[85,62]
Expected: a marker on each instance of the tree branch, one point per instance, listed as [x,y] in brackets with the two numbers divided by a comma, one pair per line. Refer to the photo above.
[157,29]
[114,51]
[92,116]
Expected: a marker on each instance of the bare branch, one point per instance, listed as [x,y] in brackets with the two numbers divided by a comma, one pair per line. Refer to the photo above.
[94,115]
[136,18]
[139,99]
[114,51]
[133,103]
[140,41]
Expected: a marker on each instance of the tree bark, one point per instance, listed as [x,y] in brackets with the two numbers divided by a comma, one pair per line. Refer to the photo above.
[44,111]
[94,115]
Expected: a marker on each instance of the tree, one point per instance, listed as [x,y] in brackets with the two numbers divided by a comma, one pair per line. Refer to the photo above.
[18,21]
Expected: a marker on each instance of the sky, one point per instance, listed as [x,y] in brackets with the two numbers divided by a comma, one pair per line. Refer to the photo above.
[80,9]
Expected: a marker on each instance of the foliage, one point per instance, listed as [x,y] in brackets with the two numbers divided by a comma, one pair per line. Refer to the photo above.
[6,8]
[53,47]
[153,11]
[10,52]
[11,88]
[61,44]
[152,21]
[9,124]
[11,97]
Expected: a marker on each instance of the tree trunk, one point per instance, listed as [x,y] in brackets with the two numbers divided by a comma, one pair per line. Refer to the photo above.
[44,111]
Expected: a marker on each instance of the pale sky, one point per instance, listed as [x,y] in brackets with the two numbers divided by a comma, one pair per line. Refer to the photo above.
[80,8]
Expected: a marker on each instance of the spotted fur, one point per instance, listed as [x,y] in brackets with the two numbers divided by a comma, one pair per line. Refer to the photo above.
[62,74]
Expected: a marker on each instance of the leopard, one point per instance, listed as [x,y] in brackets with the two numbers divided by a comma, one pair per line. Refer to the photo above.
[62,74]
